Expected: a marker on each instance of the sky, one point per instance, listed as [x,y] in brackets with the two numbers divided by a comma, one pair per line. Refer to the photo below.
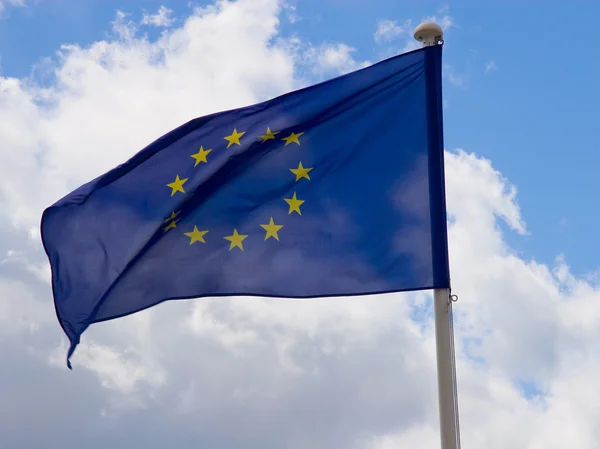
[84,85]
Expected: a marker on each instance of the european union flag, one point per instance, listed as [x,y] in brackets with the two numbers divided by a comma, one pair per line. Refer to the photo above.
[333,190]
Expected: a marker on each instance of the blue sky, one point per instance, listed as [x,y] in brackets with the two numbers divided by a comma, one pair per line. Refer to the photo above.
[519,89]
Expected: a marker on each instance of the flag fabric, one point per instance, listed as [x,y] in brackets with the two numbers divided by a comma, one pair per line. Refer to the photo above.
[336,189]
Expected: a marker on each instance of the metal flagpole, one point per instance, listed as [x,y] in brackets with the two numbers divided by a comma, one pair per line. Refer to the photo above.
[446,370]
[431,34]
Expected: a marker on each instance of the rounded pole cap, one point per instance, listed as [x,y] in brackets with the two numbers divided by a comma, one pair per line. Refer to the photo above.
[428,33]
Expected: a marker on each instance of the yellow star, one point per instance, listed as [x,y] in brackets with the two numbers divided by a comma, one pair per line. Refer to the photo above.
[301,172]
[269,135]
[294,203]
[177,185]
[200,156]
[234,138]
[173,215]
[196,235]
[171,225]
[236,240]
[292,138]
[271,229]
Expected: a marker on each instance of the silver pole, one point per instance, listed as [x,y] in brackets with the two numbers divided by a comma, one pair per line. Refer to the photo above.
[431,34]
[446,370]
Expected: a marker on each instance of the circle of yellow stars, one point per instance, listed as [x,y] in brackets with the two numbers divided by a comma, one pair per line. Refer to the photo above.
[236,239]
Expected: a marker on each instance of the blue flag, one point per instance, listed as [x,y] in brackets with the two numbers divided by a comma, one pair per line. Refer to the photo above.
[333,190]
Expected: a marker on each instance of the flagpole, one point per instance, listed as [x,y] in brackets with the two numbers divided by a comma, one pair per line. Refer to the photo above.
[431,34]
[446,370]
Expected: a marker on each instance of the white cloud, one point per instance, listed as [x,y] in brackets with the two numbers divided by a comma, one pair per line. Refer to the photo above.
[332,59]
[356,373]
[388,30]
[490,66]
[454,78]
[442,18]
[161,19]
[291,10]
[5,3]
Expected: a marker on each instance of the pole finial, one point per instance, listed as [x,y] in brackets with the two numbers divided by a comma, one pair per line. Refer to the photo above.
[429,33]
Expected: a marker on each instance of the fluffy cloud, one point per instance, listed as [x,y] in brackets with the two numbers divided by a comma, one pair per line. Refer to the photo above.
[442,18]
[161,19]
[5,3]
[332,59]
[388,30]
[490,66]
[242,372]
